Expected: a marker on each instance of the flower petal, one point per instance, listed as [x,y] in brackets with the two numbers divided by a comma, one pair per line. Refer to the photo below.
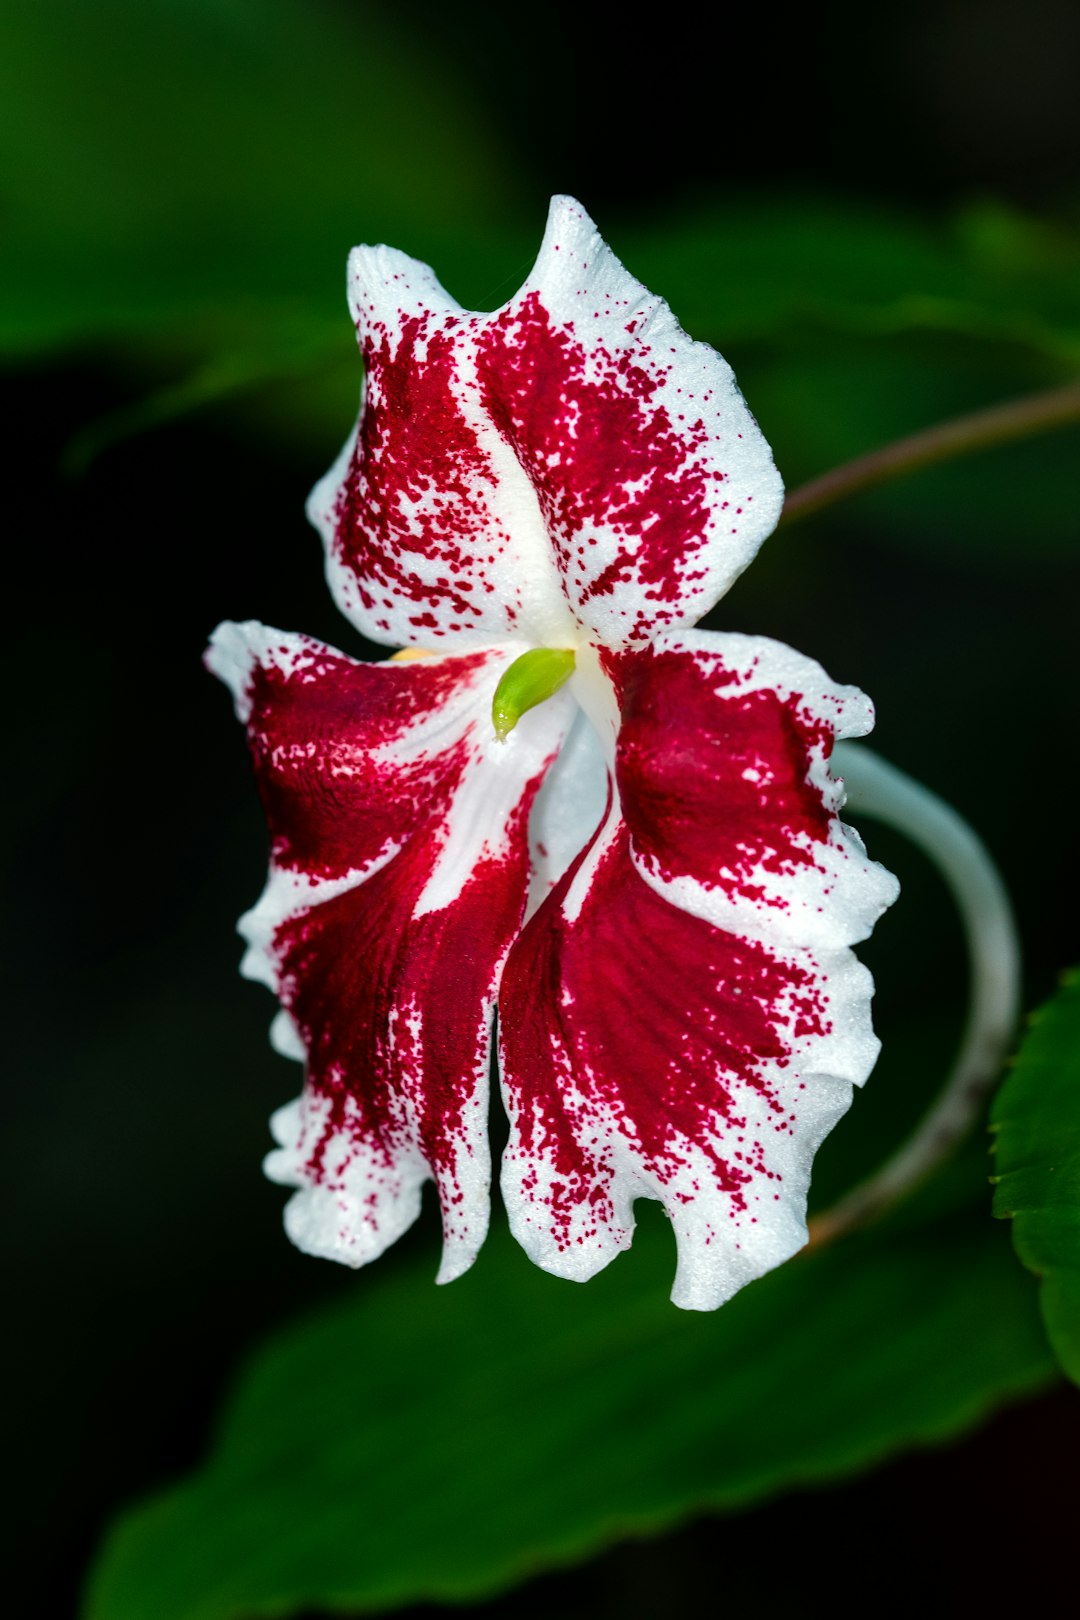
[568,809]
[648,1052]
[655,483]
[573,456]
[432,529]
[398,878]
[723,770]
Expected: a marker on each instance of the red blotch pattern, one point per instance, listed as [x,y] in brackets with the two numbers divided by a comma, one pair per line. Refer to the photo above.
[713,779]
[420,486]
[394,1008]
[662,1025]
[321,729]
[605,457]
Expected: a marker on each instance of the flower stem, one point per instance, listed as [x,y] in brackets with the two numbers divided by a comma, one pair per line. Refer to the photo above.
[878,789]
[1019,419]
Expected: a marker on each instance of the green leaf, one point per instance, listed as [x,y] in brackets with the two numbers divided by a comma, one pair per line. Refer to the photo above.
[739,271]
[1036,1120]
[851,327]
[413,1443]
[987,506]
[165,160]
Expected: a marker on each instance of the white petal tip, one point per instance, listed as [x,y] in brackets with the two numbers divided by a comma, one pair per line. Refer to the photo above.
[456,1261]
[573,1260]
[285,1038]
[326,1223]
[230,654]
[711,1273]
[285,1124]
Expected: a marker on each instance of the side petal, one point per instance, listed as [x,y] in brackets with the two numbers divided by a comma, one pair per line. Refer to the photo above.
[647,1052]
[655,482]
[432,530]
[398,878]
[722,763]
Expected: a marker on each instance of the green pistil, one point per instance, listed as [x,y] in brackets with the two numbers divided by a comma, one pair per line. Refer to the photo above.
[531,679]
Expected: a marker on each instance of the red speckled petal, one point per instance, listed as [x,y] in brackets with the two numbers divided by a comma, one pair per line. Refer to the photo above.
[655,483]
[648,1052]
[398,879]
[723,770]
[432,530]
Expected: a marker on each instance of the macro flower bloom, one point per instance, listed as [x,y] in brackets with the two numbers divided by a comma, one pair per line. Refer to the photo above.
[641,865]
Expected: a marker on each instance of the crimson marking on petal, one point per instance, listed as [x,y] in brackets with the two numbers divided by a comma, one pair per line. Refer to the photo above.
[600,452]
[714,781]
[420,483]
[641,1035]
[334,802]
[394,1009]
[407,826]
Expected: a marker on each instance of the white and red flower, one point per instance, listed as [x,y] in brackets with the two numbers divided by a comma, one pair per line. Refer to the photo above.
[648,876]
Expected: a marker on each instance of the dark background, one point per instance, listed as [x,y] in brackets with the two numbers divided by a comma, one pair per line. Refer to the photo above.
[146,1249]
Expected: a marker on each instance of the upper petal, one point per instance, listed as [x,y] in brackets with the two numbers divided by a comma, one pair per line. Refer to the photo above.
[571,461]
[655,483]
[398,878]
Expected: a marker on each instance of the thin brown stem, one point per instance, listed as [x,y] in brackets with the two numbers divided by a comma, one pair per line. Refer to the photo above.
[1019,419]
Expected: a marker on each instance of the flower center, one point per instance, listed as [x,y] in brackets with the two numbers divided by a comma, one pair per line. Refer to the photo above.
[531,679]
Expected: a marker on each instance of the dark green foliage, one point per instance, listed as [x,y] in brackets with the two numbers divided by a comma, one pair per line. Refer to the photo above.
[414,1443]
[1036,1122]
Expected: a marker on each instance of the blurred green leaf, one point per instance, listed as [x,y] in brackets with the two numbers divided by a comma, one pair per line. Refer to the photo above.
[743,270]
[412,1443]
[852,326]
[823,404]
[219,379]
[163,161]
[1036,1121]
[181,183]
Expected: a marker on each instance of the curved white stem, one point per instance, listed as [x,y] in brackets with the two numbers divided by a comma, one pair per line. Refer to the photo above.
[876,788]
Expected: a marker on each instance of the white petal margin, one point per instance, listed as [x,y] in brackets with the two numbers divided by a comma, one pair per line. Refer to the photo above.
[837,894]
[462,894]
[656,483]
[365,1204]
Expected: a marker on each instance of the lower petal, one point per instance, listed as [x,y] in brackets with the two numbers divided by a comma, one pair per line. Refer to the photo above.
[394,1005]
[647,1053]
[398,880]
